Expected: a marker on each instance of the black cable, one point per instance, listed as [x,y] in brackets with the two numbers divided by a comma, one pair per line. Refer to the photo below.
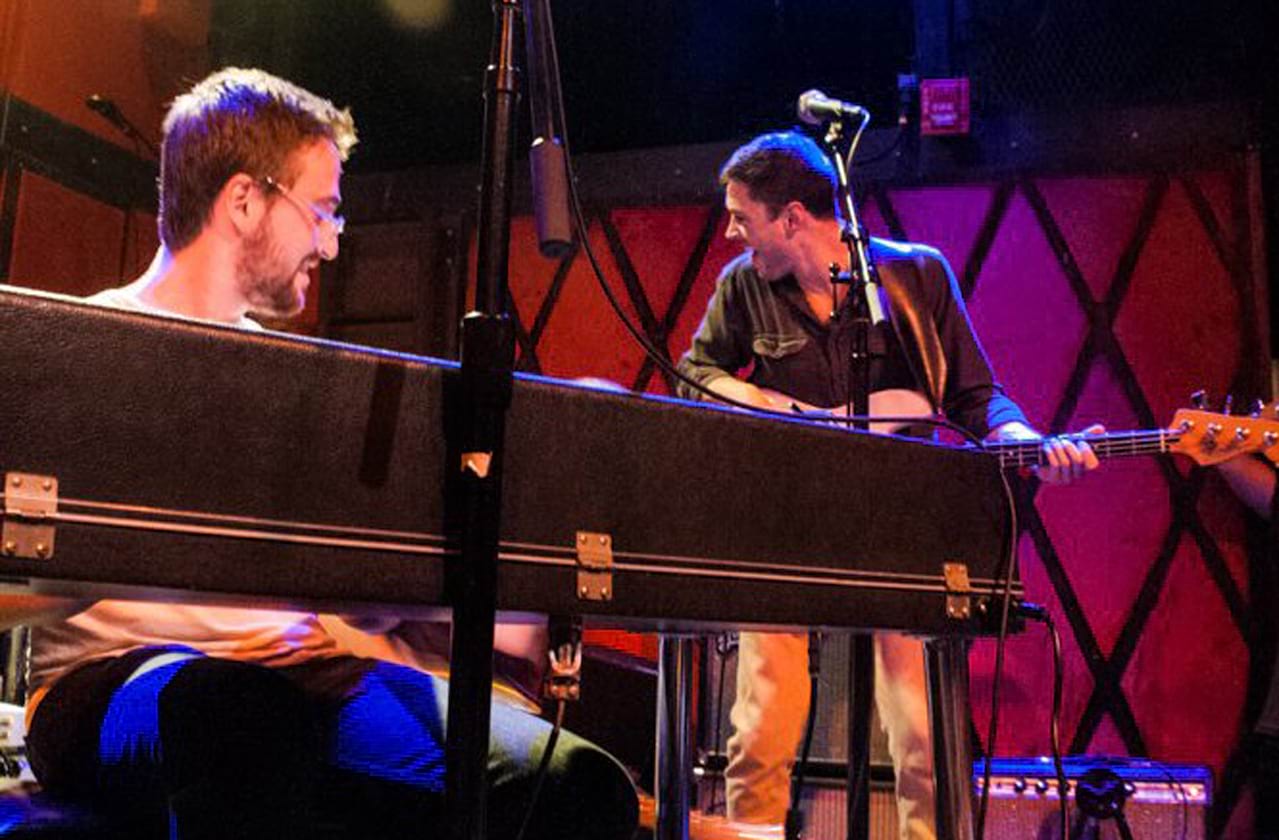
[658,358]
[1000,643]
[718,701]
[542,767]
[1008,577]
[887,151]
[665,365]
[562,683]
[1121,822]
[1035,612]
[127,236]
[653,353]
[579,219]
[1063,784]
[1181,793]
[794,827]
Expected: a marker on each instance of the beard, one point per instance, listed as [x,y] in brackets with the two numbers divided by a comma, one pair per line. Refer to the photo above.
[267,277]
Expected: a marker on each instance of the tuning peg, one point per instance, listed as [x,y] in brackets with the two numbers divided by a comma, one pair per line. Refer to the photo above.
[1254,410]
[1199,399]
[1228,404]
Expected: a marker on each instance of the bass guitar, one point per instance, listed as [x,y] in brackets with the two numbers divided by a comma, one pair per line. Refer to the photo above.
[1206,437]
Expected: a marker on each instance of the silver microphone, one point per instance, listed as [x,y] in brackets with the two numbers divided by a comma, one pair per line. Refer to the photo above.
[815,108]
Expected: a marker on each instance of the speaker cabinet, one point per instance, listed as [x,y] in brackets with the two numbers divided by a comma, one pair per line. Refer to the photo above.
[1154,799]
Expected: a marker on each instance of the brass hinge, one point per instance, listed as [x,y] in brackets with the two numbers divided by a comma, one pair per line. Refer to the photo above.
[30,504]
[594,566]
[958,590]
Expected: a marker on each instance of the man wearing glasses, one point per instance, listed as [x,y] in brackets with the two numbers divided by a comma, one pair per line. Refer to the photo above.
[281,223]
[197,721]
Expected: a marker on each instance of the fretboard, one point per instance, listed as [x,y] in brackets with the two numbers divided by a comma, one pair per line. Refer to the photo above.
[1030,453]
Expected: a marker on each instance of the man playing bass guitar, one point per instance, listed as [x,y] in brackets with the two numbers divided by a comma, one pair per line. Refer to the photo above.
[774,312]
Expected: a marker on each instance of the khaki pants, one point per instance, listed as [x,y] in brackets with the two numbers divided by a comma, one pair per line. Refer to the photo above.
[772,706]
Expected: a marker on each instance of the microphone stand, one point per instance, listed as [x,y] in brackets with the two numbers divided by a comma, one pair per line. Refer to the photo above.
[862,277]
[867,311]
[484,393]
[946,662]
[109,111]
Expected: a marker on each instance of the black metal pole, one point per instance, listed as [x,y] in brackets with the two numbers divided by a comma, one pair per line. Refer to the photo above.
[497,166]
[487,360]
[946,665]
[866,312]
[861,696]
[674,712]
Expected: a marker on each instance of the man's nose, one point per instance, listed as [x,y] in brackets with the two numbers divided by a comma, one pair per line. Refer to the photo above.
[329,246]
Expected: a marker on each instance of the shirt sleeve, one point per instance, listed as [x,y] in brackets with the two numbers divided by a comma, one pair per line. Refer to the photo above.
[721,345]
[972,397]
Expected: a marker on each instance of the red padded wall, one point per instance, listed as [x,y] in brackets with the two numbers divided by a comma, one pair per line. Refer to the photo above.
[49,219]
[1098,299]
[68,242]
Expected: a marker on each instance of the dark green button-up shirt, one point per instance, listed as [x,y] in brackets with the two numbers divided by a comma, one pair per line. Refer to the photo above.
[767,329]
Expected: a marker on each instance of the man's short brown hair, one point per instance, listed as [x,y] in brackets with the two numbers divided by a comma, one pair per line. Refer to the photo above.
[236,121]
[782,167]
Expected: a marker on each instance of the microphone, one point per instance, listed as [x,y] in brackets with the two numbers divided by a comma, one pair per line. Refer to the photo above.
[815,108]
[547,158]
[108,110]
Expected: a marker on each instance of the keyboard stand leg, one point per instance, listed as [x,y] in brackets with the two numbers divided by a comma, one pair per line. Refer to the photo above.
[674,741]
[946,662]
[861,697]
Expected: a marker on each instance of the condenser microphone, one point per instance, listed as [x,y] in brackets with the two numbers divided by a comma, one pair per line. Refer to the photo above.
[815,108]
[547,158]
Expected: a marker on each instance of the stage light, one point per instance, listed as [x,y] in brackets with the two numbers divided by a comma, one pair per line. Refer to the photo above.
[420,14]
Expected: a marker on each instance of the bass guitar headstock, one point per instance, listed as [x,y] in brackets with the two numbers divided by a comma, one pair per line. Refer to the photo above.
[1210,437]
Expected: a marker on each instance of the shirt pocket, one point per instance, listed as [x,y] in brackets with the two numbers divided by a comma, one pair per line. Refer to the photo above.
[774,346]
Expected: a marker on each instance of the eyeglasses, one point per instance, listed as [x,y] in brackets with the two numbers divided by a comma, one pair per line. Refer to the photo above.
[326,221]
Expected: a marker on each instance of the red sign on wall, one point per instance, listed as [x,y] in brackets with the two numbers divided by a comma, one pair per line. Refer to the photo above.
[943,106]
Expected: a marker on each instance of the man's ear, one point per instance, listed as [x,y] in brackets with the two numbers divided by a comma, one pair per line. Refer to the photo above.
[241,203]
[794,217]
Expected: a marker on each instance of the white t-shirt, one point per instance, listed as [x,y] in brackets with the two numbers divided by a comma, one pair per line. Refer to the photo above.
[267,637]
[112,628]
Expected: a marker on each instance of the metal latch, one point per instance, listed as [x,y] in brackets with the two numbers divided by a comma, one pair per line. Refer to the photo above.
[594,566]
[958,589]
[30,504]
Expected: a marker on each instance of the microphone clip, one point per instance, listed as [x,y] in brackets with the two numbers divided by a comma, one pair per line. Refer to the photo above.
[564,675]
